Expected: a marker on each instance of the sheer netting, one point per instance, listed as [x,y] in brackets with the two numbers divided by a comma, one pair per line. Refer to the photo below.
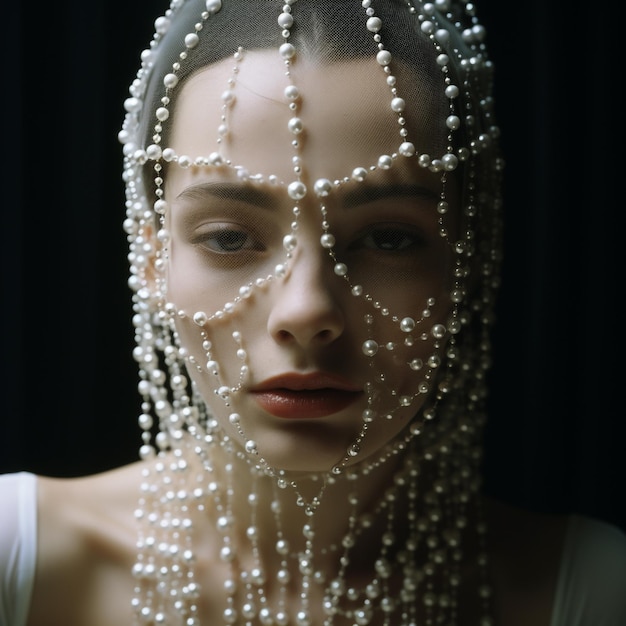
[287,145]
[417,80]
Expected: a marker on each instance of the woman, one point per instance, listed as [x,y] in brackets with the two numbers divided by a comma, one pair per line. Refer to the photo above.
[313,216]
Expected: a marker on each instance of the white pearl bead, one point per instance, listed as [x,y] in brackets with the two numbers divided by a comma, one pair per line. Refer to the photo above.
[295,125]
[383,57]
[292,92]
[424,160]
[374,24]
[322,187]
[385,162]
[169,154]
[200,318]
[132,104]
[170,81]
[397,105]
[442,36]
[327,240]
[191,40]
[340,269]
[213,6]
[370,347]
[160,207]
[359,174]
[479,32]
[407,324]
[265,615]
[452,91]
[162,114]
[450,162]
[453,122]
[153,152]
[296,190]
[226,554]
[290,242]
[407,149]
[438,331]
[161,25]
[285,20]
[287,51]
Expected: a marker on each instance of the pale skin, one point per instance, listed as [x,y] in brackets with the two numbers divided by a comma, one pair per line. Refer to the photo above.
[87,549]
[87,531]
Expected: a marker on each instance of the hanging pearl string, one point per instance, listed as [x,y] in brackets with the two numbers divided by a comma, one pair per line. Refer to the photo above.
[164,572]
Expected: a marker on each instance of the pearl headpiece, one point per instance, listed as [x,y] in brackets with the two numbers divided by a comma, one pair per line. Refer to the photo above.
[447,401]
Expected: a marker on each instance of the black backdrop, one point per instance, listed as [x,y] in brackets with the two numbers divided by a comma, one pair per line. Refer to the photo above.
[556,437]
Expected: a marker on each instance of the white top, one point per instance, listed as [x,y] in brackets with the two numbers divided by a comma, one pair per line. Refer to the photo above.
[18,546]
[591,588]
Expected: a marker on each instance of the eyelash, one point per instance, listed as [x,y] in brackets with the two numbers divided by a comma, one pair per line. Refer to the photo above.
[382,238]
[223,238]
[393,238]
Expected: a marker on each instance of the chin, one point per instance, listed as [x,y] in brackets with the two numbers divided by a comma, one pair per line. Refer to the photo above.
[301,448]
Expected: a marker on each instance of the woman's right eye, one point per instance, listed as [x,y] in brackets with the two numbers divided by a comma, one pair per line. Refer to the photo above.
[227,240]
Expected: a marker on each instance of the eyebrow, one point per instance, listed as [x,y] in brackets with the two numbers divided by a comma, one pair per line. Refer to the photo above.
[256,196]
[364,194]
[230,191]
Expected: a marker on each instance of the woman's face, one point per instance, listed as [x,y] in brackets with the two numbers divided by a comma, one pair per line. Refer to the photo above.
[316,356]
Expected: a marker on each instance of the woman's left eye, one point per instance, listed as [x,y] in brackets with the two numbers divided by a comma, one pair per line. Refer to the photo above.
[388,238]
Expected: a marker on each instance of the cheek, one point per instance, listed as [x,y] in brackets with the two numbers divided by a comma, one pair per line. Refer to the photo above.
[418,288]
[405,369]
[184,280]
[194,287]
[403,359]
[231,342]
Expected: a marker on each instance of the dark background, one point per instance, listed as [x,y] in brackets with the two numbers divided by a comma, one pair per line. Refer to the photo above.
[555,441]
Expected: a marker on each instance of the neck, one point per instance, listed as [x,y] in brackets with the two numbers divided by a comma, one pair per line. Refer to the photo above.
[348,543]
[285,507]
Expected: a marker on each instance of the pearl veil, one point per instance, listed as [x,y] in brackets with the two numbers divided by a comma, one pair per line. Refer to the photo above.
[402,91]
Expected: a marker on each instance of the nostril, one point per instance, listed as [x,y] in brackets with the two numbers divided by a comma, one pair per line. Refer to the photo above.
[325,335]
[305,311]
[306,335]
[284,335]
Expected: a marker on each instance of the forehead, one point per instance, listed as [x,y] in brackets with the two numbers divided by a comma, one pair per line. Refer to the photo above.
[344,112]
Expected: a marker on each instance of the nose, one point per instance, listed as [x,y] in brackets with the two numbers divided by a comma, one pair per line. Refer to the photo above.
[305,309]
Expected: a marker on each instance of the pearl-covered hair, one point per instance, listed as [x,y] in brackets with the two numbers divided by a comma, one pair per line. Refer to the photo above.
[440,44]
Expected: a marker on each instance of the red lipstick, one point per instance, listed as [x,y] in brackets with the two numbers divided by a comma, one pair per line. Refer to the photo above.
[297,396]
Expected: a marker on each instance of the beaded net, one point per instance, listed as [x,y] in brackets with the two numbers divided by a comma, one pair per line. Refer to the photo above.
[339,151]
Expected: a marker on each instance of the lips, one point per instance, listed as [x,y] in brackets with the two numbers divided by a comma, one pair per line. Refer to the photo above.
[295,396]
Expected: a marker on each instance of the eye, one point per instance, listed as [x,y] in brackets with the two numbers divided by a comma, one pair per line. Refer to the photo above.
[226,240]
[389,239]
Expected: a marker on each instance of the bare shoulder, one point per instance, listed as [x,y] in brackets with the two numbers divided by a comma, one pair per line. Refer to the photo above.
[525,555]
[85,542]
[72,510]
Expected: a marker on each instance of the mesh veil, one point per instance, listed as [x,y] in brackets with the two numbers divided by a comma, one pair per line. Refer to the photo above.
[346,154]
[429,61]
